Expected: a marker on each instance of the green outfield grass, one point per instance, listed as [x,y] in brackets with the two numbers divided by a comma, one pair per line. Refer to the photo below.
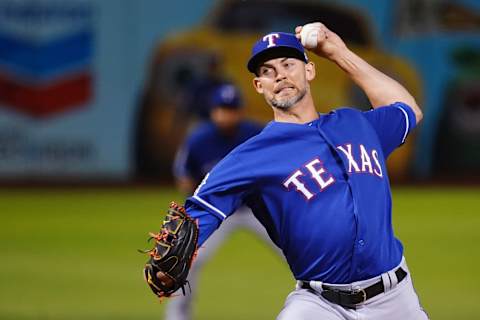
[72,255]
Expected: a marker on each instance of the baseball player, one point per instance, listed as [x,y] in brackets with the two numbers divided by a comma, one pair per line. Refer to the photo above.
[202,150]
[319,183]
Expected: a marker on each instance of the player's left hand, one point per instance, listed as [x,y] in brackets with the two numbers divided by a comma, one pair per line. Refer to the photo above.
[171,258]
[328,44]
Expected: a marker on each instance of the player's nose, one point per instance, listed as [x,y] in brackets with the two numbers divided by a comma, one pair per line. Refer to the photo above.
[280,76]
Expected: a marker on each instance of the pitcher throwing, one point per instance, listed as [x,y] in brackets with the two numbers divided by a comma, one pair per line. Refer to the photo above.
[318,182]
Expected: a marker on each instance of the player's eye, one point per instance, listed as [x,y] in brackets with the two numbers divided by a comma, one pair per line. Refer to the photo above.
[266,71]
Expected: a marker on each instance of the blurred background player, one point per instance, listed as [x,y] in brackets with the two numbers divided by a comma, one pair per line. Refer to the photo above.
[213,139]
[202,150]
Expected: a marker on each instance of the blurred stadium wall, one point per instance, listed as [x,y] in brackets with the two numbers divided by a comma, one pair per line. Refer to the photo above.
[94,91]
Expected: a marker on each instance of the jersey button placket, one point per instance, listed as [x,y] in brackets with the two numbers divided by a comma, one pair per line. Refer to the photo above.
[351,186]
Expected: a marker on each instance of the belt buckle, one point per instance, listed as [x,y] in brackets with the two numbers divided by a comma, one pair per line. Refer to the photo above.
[364,294]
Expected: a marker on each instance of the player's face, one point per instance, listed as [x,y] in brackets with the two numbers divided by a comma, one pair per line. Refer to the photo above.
[284,81]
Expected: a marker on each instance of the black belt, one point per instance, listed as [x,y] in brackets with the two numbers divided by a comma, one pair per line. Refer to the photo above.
[350,299]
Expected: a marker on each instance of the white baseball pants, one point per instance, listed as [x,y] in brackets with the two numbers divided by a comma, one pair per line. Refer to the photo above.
[398,302]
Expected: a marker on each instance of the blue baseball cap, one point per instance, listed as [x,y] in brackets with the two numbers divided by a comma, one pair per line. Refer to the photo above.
[226,95]
[276,45]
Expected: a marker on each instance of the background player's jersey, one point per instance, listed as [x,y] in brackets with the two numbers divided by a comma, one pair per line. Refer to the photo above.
[206,146]
[320,189]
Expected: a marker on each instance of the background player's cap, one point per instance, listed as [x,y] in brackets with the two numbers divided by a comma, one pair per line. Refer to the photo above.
[226,95]
[276,45]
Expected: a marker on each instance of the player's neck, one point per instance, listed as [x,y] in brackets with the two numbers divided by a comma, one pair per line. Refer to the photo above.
[302,112]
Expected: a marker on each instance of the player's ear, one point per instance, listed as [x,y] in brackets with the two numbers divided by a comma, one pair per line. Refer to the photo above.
[310,71]
[257,85]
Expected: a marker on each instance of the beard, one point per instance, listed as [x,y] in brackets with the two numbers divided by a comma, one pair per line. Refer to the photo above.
[288,102]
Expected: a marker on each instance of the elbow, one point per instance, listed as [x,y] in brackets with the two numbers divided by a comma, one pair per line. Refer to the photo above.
[415,108]
[418,114]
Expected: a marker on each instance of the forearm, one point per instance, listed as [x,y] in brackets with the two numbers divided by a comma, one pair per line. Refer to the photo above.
[207,223]
[380,89]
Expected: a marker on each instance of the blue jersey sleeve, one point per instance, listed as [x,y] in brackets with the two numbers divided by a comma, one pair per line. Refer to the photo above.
[207,223]
[392,124]
[224,189]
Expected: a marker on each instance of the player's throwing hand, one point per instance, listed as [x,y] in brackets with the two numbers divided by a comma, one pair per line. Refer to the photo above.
[317,38]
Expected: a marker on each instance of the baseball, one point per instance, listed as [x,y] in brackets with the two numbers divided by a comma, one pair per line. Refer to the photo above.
[309,36]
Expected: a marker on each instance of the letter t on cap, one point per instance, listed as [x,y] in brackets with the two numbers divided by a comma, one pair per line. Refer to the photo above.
[270,37]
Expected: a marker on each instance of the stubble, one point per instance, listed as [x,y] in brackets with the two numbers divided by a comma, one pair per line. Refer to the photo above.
[289,102]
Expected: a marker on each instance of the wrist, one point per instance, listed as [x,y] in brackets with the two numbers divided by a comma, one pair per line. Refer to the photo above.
[340,55]
[351,64]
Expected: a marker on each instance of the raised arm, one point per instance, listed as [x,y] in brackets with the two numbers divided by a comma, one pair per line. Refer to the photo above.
[380,89]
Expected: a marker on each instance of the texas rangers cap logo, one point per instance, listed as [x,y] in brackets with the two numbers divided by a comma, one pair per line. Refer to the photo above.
[271,39]
[276,45]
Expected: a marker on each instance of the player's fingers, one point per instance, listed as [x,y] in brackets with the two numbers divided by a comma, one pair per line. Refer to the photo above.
[316,25]
[322,36]
[298,29]
[324,32]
